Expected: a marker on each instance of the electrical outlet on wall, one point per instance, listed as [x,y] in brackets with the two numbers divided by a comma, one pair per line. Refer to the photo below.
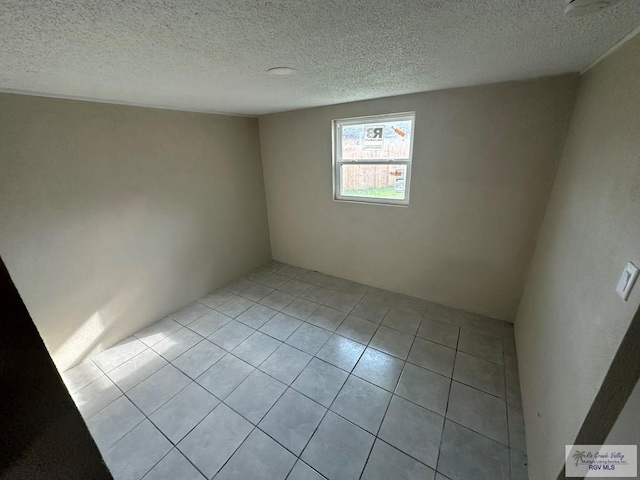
[628,278]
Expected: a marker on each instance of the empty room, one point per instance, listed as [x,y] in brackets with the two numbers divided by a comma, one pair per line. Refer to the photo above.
[307,240]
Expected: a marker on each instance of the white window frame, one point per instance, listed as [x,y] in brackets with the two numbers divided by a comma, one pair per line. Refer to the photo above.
[338,161]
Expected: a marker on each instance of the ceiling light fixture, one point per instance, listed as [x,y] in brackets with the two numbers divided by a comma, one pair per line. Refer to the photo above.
[282,71]
[576,8]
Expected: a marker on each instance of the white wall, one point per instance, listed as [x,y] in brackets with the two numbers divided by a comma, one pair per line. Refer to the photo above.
[571,321]
[484,161]
[111,217]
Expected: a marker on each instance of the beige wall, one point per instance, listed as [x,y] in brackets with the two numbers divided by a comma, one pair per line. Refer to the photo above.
[484,161]
[111,217]
[571,321]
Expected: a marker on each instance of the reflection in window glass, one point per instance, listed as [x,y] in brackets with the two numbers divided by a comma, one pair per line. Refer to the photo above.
[376,181]
[377,141]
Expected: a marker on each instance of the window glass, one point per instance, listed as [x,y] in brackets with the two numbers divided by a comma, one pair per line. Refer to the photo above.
[372,158]
[377,141]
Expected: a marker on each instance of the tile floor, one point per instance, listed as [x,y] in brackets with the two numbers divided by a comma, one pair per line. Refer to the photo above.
[292,374]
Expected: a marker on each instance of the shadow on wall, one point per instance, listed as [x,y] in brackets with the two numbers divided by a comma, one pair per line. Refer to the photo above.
[129,296]
[108,325]
[117,285]
[112,216]
[97,332]
[83,340]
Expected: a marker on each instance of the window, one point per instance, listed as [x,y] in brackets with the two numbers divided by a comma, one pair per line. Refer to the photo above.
[372,158]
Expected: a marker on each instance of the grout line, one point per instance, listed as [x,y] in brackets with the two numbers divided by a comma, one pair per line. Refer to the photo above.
[235,450]
[105,406]
[361,298]
[390,399]
[367,345]
[255,426]
[175,445]
[446,410]
[350,372]
[145,417]
[123,394]
[404,453]
[299,459]
[506,406]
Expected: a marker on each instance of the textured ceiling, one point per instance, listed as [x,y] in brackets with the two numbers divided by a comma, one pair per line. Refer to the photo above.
[211,55]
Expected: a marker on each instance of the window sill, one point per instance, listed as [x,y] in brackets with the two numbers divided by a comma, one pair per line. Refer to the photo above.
[370,202]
